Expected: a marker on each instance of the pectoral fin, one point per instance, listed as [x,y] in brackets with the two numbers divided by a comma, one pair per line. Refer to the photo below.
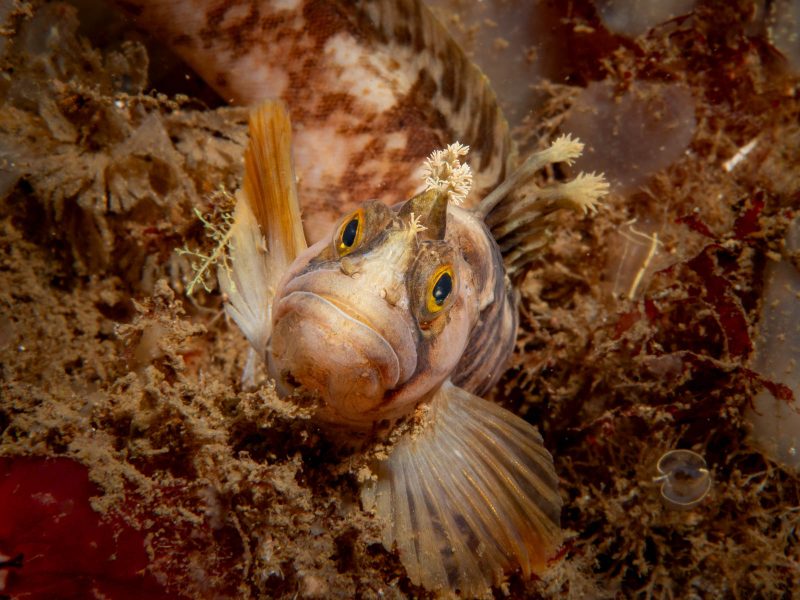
[469,496]
[267,232]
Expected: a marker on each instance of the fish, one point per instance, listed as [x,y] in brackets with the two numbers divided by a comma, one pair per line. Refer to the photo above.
[397,313]
[397,322]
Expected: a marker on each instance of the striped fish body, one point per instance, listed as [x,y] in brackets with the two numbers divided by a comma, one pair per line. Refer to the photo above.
[494,334]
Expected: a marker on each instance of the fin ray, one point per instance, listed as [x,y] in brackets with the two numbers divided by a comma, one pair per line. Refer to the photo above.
[507,497]
[426,523]
[458,485]
[473,490]
[267,233]
[459,544]
[533,472]
[469,496]
[490,478]
[269,182]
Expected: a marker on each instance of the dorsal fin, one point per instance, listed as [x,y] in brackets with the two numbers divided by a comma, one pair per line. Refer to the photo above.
[267,233]
[269,183]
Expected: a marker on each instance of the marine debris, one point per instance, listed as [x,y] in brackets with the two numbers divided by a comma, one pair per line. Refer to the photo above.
[684,478]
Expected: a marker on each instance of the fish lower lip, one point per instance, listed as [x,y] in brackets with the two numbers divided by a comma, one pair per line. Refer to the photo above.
[387,325]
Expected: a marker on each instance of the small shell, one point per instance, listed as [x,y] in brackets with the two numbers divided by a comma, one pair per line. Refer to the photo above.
[684,479]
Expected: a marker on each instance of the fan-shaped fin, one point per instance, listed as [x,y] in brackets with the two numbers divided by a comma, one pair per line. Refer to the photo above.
[267,232]
[470,496]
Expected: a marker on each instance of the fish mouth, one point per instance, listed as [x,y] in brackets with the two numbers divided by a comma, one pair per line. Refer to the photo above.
[371,312]
[348,312]
[330,347]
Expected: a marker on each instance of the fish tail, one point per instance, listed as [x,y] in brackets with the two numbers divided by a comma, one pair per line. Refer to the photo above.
[517,210]
[266,234]
[469,496]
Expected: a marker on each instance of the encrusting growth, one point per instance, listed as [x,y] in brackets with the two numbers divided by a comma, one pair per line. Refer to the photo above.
[517,210]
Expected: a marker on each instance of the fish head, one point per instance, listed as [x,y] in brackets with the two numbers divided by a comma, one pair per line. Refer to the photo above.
[375,317]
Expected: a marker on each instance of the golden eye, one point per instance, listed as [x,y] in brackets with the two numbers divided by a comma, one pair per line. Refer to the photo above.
[440,286]
[350,233]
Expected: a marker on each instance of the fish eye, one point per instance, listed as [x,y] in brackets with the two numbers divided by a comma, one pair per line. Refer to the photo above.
[350,233]
[440,287]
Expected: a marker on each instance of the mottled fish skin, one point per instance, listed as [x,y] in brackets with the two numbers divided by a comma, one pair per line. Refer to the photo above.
[373,86]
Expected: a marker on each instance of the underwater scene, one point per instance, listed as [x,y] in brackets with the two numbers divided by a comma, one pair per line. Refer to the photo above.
[394,299]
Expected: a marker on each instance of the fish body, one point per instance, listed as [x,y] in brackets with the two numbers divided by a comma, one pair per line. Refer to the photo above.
[401,310]
[406,312]
[374,86]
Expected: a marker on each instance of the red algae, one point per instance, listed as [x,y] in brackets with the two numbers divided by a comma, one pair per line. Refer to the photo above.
[61,547]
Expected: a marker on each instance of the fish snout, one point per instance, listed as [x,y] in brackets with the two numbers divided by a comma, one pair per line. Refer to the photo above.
[336,351]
